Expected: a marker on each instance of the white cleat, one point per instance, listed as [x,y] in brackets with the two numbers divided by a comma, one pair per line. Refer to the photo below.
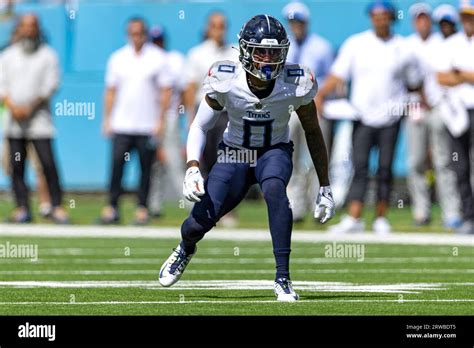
[174,267]
[348,224]
[381,226]
[284,290]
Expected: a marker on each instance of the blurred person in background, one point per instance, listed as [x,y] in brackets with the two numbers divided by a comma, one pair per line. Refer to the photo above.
[447,18]
[426,131]
[457,73]
[200,59]
[316,53]
[30,76]
[45,207]
[167,173]
[377,63]
[134,117]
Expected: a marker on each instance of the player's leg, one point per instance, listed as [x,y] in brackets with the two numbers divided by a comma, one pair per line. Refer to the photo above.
[273,172]
[417,136]
[225,187]
[146,152]
[386,143]
[462,166]
[45,154]
[121,145]
[445,176]
[17,157]
[363,138]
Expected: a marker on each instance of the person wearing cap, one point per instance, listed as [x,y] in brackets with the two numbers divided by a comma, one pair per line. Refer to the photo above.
[457,74]
[447,17]
[426,129]
[316,53]
[379,66]
[167,172]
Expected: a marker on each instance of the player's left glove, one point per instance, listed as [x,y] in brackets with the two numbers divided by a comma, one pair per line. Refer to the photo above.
[325,206]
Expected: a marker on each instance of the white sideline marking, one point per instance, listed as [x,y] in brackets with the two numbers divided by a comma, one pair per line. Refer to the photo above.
[312,286]
[235,271]
[229,234]
[242,260]
[230,302]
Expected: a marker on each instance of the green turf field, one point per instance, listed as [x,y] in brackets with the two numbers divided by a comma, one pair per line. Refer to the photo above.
[118,276]
[85,208]
[231,275]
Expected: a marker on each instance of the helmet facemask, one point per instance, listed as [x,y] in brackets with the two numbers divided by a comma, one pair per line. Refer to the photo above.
[263,60]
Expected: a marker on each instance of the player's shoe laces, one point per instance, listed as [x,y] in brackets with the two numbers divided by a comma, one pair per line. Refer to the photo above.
[174,267]
[284,290]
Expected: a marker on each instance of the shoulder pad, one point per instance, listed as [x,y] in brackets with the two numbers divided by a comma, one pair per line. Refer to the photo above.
[221,75]
[301,77]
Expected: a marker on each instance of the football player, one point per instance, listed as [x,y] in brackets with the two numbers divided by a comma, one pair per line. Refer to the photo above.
[259,94]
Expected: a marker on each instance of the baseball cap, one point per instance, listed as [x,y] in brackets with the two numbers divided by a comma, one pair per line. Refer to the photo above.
[296,11]
[445,13]
[420,8]
[466,6]
[381,5]
[156,32]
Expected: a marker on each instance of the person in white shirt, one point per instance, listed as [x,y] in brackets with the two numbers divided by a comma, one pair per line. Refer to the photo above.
[29,77]
[379,66]
[136,74]
[426,130]
[200,59]
[167,170]
[457,73]
[316,53]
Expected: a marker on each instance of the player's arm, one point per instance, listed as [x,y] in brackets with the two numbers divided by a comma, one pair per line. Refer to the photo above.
[206,117]
[308,115]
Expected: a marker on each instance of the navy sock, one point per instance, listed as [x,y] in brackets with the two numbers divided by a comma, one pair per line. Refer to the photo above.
[191,233]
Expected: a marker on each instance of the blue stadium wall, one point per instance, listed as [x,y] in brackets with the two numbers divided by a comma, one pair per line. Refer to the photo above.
[85,37]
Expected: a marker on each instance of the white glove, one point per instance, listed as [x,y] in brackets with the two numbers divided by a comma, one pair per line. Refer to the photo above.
[325,206]
[193,185]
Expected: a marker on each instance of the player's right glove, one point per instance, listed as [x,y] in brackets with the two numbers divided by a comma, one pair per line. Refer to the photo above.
[325,206]
[193,185]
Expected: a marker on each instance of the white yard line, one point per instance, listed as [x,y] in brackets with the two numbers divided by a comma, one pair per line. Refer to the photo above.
[235,271]
[461,300]
[228,234]
[313,286]
[128,260]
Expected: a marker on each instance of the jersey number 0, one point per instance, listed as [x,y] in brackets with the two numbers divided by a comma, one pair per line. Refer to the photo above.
[267,132]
